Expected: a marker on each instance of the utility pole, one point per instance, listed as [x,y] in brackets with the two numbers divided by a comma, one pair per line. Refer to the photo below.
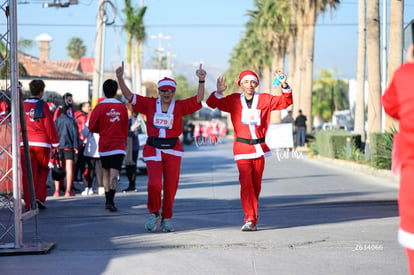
[98,70]
[99,50]
[160,49]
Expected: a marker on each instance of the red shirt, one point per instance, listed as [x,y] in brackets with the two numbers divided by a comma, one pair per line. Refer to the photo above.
[41,133]
[81,119]
[110,120]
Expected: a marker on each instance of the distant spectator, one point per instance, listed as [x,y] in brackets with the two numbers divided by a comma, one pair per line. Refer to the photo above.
[67,130]
[42,135]
[132,148]
[81,117]
[300,124]
[289,118]
[67,99]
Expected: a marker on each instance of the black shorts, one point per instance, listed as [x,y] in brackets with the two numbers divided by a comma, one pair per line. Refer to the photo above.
[67,154]
[112,162]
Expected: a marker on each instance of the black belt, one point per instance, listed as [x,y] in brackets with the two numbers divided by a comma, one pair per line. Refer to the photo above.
[250,141]
[162,143]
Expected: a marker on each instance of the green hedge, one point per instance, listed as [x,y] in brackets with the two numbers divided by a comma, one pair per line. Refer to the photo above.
[332,144]
[381,149]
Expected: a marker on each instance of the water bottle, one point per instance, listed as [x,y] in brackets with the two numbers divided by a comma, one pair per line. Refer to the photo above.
[278,79]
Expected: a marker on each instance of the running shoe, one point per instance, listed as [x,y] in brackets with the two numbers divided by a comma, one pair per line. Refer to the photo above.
[166,225]
[40,204]
[249,226]
[152,222]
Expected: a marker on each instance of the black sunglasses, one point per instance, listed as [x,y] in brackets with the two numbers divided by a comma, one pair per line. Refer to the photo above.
[165,91]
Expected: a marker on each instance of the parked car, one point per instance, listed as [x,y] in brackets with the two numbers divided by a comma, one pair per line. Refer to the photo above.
[142,137]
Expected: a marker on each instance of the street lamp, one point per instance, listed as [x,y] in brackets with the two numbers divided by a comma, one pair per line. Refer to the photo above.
[59,4]
[160,49]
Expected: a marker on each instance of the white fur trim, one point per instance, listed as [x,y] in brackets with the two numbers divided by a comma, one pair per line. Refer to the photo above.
[217,95]
[113,152]
[249,77]
[133,99]
[406,239]
[157,157]
[287,90]
[166,82]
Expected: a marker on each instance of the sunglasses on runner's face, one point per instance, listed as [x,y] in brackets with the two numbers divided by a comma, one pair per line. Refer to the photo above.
[165,91]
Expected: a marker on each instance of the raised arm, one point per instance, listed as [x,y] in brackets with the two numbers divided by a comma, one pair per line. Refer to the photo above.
[120,76]
[201,73]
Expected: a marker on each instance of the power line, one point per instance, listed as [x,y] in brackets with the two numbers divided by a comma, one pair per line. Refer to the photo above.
[175,25]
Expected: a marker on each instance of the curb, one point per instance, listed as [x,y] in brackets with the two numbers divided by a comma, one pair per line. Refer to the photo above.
[365,169]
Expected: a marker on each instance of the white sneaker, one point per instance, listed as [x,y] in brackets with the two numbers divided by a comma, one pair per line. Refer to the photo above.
[166,225]
[249,226]
[87,192]
[101,190]
[152,222]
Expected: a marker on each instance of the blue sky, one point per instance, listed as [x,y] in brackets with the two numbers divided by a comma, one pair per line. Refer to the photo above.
[205,31]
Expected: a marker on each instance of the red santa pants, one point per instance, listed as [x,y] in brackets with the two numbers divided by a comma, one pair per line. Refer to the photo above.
[406,209]
[169,169]
[39,158]
[250,177]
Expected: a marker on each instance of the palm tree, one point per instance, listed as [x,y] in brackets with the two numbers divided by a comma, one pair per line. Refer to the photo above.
[359,126]
[311,8]
[298,21]
[374,72]
[76,48]
[139,35]
[25,44]
[329,94]
[395,54]
[135,29]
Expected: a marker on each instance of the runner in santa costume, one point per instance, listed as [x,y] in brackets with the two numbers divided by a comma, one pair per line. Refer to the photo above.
[163,151]
[110,120]
[250,115]
[398,102]
[42,136]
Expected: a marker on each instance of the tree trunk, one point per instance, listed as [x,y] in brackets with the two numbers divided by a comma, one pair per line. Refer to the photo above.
[266,79]
[395,54]
[138,70]
[374,71]
[308,51]
[359,126]
[291,61]
[297,94]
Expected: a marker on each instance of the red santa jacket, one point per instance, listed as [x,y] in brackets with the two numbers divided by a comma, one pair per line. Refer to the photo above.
[41,132]
[398,102]
[179,108]
[264,103]
[81,119]
[110,120]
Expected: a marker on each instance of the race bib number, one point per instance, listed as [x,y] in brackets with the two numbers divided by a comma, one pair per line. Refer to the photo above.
[251,117]
[163,121]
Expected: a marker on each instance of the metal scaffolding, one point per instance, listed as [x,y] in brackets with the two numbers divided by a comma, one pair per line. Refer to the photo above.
[11,234]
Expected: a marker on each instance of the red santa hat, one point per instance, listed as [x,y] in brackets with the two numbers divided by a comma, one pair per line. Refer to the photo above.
[167,84]
[248,75]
